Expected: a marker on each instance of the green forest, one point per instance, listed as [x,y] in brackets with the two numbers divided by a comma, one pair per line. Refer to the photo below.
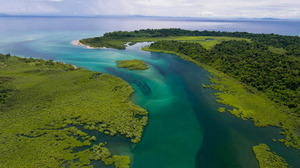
[117,39]
[256,74]
[268,62]
[269,90]
[48,110]
[252,63]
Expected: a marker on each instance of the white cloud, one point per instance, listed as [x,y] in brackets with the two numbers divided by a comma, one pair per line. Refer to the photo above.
[47,0]
[26,7]
[159,3]
[193,8]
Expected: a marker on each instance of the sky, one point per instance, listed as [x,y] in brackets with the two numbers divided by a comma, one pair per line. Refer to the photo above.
[175,8]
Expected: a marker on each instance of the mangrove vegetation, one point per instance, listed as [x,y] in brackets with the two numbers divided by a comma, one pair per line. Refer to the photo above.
[134,64]
[267,158]
[44,105]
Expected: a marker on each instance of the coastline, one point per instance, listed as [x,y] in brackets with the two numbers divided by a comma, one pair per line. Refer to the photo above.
[78,43]
[232,93]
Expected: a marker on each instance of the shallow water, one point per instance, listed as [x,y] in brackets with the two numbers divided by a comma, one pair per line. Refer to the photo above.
[184,129]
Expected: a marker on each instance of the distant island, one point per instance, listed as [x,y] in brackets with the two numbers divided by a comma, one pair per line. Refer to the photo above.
[257,74]
[55,115]
[132,64]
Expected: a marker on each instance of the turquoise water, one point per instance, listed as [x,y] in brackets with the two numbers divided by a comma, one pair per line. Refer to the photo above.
[184,130]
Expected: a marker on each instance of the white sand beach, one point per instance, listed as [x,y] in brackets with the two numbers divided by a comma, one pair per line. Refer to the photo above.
[77,42]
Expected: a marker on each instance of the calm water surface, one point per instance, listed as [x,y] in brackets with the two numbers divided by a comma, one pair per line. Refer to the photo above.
[185,129]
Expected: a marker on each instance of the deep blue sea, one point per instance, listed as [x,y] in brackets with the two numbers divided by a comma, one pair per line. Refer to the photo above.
[185,129]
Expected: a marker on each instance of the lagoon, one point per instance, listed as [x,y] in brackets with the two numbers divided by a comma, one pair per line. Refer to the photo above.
[185,129]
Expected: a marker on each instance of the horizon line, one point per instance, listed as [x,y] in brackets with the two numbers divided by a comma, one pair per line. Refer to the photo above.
[146,16]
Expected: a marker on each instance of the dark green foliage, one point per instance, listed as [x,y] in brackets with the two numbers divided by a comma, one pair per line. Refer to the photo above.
[120,39]
[5,89]
[290,43]
[150,33]
[3,58]
[252,63]
[101,42]
[5,82]
[191,49]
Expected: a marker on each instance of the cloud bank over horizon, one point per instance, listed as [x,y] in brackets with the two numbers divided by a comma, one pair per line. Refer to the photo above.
[175,8]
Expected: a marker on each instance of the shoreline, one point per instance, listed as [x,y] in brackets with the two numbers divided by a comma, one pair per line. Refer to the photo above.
[259,120]
[78,43]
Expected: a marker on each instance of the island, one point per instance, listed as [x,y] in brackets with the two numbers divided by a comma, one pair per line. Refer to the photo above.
[134,64]
[256,74]
[53,114]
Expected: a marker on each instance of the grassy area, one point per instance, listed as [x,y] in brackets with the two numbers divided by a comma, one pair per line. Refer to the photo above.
[132,64]
[249,103]
[44,102]
[268,159]
[277,50]
[206,41]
